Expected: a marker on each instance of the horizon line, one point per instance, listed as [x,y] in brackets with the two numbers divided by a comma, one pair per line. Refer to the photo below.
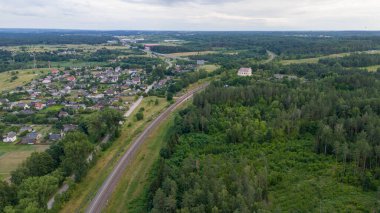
[177,30]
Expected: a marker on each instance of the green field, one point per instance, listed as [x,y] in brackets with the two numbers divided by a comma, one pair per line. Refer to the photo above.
[12,155]
[372,68]
[23,77]
[209,67]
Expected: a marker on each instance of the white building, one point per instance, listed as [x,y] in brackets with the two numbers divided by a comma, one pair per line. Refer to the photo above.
[245,72]
[10,137]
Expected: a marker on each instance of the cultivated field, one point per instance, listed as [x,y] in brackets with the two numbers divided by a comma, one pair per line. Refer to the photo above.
[23,77]
[12,155]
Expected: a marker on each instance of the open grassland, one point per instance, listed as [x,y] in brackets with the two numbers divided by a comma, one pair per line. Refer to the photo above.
[372,68]
[185,54]
[316,59]
[130,193]
[12,155]
[23,77]
[86,190]
[209,67]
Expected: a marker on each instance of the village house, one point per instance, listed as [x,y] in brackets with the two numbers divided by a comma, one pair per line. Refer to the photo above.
[69,127]
[63,114]
[10,137]
[39,106]
[118,69]
[31,138]
[4,102]
[54,71]
[51,102]
[46,81]
[26,129]
[114,79]
[132,72]
[110,92]
[245,72]
[136,80]
[97,106]
[54,137]
[20,105]
[71,78]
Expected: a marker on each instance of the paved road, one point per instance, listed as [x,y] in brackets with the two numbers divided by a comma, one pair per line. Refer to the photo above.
[133,107]
[137,102]
[105,191]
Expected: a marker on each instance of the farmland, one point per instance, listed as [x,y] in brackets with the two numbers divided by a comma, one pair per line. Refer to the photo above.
[12,155]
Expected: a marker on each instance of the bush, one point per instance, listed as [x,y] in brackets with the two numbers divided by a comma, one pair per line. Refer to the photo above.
[140,116]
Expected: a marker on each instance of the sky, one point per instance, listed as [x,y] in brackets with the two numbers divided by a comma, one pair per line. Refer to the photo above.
[241,15]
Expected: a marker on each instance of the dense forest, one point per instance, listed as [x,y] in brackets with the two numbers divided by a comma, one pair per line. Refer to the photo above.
[291,45]
[24,60]
[16,38]
[249,144]
[353,60]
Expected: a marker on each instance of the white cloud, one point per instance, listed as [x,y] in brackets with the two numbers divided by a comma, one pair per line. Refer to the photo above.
[192,14]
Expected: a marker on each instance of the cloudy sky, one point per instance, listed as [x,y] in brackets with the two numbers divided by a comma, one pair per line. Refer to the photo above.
[192,14]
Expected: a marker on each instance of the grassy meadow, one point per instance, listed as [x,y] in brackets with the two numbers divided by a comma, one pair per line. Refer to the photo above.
[12,155]
[23,77]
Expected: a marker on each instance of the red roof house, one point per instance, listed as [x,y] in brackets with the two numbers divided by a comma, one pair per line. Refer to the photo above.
[71,78]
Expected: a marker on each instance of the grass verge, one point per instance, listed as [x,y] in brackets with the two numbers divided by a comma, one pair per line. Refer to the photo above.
[87,188]
[130,193]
